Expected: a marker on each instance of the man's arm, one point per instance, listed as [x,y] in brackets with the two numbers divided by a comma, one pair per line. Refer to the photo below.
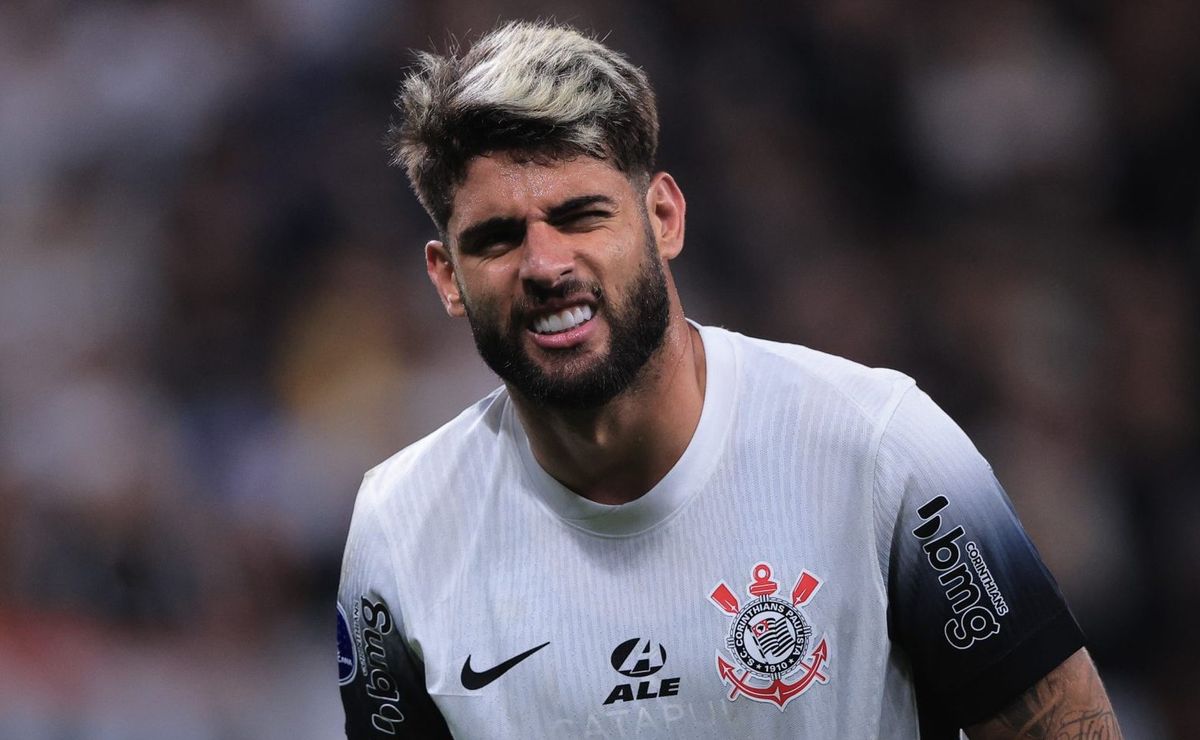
[382,680]
[1067,703]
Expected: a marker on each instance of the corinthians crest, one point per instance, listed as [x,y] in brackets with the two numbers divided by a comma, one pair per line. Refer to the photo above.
[770,640]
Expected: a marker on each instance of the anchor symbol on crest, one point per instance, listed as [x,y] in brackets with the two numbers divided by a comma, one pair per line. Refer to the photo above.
[769,640]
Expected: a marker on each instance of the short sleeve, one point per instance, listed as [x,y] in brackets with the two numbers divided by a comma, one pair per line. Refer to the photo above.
[970,600]
[382,681]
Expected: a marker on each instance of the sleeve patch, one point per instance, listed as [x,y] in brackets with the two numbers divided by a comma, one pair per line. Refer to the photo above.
[974,619]
[347,658]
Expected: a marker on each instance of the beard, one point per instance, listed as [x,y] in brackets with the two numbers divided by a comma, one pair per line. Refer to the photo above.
[637,325]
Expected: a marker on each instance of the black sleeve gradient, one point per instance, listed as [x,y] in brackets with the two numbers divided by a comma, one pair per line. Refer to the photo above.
[970,600]
[383,694]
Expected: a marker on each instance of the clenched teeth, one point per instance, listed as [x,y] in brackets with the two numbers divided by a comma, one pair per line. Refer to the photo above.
[568,318]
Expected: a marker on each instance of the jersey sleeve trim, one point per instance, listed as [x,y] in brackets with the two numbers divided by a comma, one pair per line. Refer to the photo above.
[1018,670]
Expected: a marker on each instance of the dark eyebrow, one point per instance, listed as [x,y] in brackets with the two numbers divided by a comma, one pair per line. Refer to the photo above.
[494,225]
[574,204]
[509,225]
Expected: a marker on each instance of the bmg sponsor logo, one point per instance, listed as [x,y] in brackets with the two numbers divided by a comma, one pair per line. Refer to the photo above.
[381,685]
[963,584]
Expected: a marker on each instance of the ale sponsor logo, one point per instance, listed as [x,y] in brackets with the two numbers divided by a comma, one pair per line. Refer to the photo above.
[640,659]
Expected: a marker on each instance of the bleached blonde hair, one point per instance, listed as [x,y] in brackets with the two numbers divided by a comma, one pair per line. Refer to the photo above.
[536,90]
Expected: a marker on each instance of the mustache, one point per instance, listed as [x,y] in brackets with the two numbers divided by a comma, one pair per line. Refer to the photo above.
[535,296]
[571,288]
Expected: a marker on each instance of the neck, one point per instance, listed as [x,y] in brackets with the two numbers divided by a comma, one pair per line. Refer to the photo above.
[616,453]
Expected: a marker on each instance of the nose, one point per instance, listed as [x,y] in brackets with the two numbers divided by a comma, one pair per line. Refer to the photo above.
[546,257]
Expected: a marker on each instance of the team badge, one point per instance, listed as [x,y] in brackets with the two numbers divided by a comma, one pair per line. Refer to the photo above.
[347,660]
[770,640]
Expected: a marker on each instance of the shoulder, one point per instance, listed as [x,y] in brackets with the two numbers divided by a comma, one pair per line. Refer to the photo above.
[795,374]
[438,457]
[414,510]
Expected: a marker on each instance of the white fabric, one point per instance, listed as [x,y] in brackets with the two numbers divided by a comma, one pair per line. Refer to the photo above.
[478,551]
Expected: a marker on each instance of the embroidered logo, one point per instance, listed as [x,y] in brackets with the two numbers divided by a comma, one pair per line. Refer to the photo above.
[769,640]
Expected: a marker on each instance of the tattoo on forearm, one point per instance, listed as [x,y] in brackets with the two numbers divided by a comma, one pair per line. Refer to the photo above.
[1030,715]
[1045,712]
[1029,718]
[1098,724]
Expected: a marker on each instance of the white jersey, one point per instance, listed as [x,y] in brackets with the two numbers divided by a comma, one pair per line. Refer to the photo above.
[829,558]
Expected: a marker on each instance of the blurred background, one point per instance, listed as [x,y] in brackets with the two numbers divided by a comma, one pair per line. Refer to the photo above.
[214,315]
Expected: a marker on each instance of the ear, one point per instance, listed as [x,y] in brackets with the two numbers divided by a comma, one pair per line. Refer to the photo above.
[667,210]
[440,268]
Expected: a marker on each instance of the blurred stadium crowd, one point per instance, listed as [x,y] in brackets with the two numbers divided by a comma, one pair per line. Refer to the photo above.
[214,317]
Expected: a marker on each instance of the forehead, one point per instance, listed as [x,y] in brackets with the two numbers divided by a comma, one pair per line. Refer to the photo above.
[500,186]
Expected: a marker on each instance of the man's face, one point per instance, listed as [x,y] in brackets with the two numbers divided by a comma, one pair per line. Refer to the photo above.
[559,275]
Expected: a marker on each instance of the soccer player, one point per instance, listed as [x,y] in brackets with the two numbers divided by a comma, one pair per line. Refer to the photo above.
[656,528]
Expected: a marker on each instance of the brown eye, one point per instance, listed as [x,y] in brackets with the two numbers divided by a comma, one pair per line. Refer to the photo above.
[494,240]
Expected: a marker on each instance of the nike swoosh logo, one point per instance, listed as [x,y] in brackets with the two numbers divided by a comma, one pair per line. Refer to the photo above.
[472,680]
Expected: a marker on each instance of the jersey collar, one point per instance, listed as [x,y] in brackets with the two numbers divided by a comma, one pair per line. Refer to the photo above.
[689,474]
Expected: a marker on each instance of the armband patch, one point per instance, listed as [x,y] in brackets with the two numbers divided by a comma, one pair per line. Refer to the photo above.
[347,659]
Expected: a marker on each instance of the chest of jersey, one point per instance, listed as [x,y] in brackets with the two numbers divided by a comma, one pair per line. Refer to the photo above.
[746,612]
